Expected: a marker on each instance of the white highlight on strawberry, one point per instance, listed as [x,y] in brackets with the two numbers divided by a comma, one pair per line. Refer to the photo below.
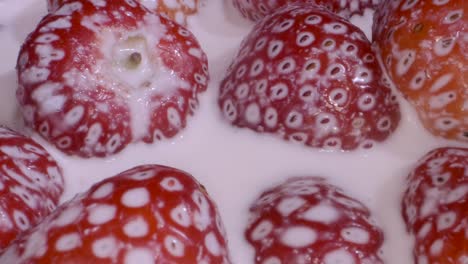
[69,8]
[288,205]
[446,220]
[135,198]
[262,230]
[17,153]
[406,59]
[140,256]
[322,213]
[442,100]
[59,23]
[201,218]
[105,247]
[212,244]
[69,216]
[171,184]
[103,191]
[298,237]
[45,96]
[101,213]
[355,235]
[339,256]
[136,228]
[68,242]
[181,216]
[441,82]
[174,246]
[35,74]
[5,221]
[21,220]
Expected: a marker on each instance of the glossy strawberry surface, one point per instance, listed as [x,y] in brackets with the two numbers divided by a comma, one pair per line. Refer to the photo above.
[148,214]
[423,46]
[435,207]
[97,75]
[307,220]
[31,184]
[309,76]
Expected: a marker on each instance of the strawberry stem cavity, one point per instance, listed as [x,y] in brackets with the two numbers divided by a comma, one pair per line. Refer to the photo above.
[134,60]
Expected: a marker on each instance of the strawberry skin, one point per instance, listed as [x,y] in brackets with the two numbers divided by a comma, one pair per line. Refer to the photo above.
[256,10]
[31,184]
[177,10]
[97,75]
[306,220]
[435,207]
[423,46]
[311,77]
[148,214]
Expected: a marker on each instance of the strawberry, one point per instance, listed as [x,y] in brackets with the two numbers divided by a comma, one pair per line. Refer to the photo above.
[148,214]
[435,207]
[306,220]
[177,10]
[31,184]
[423,46]
[97,75]
[309,76]
[255,10]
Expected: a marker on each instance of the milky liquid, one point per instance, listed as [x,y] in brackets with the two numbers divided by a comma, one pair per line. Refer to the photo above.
[235,165]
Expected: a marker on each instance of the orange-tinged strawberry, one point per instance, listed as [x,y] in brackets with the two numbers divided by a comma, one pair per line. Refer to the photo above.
[423,46]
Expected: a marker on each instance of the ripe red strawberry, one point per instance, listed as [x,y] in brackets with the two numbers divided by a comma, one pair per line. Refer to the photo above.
[435,207]
[31,184]
[97,75]
[311,77]
[177,10]
[148,214]
[423,45]
[255,10]
[306,220]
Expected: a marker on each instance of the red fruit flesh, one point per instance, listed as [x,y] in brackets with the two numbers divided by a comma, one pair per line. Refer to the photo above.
[93,78]
[31,184]
[256,10]
[423,45]
[311,77]
[148,214]
[176,11]
[306,220]
[435,207]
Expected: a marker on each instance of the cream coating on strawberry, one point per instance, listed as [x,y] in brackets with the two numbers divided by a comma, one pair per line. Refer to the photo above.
[31,184]
[177,10]
[145,215]
[435,206]
[423,45]
[311,77]
[307,220]
[257,9]
[97,75]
